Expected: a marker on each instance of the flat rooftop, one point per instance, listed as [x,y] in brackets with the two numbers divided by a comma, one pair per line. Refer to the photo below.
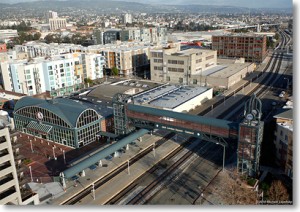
[223,71]
[107,91]
[169,96]
[188,52]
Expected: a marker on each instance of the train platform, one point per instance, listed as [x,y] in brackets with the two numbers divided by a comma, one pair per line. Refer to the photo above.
[106,191]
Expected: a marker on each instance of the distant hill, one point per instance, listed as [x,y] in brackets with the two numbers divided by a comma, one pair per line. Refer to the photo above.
[108,6]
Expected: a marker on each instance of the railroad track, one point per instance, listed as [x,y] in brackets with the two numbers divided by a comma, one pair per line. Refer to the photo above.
[130,187]
[164,179]
[273,61]
[115,172]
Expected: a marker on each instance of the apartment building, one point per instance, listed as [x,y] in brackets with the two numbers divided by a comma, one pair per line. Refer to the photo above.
[175,66]
[92,66]
[9,186]
[249,46]
[127,18]
[284,141]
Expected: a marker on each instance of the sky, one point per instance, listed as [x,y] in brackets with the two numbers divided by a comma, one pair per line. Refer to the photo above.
[238,3]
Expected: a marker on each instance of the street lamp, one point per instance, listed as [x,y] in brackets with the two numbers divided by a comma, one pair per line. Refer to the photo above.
[223,155]
[31,146]
[64,156]
[53,153]
[128,167]
[288,82]
[30,173]
[93,191]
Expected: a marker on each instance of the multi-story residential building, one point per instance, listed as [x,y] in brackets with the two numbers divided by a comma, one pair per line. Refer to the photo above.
[175,66]
[249,46]
[284,141]
[57,23]
[51,14]
[98,36]
[41,74]
[9,186]
[92,66]
[111,36]
[127,18]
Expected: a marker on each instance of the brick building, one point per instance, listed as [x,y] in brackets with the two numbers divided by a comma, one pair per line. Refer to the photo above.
[249,46]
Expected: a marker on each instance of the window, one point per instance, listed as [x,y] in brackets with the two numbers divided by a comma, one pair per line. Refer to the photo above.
[61,65]
[168,78]
[209,57]
[194,81]
[180,80]
[49,67]
[67,64]
[27,71]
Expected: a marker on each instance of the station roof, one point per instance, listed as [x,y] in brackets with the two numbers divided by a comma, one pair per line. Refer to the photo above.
[102,154]
[66,109]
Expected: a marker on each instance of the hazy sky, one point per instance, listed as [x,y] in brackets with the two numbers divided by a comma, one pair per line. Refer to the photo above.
[239,3]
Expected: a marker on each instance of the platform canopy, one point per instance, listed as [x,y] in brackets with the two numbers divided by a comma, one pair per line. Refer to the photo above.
[70,172]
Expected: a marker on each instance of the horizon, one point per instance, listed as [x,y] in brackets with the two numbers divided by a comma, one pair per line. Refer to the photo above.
[276,4]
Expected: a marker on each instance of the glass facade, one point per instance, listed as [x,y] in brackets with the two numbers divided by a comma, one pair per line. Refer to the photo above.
[88,124]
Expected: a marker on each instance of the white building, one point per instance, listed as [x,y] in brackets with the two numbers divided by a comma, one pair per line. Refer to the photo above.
[93,64]
[7,34]
[57,23]
[174,98]
[9,188]
[127,18]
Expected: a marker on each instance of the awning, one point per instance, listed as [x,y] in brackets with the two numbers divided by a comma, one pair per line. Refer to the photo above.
[107,134]
[39,127]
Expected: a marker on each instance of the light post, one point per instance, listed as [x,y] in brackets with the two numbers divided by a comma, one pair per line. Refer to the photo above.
[30,173]
[53,153]
[128,167]
[223,155]
[93,191]
[154,149]
[64,156]
[288,82]
[31,146]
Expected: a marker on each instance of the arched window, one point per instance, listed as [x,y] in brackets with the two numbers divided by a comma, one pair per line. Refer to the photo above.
[86,117]
[47,116]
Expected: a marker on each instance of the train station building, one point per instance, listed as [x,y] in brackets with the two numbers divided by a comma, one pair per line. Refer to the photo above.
[64,121]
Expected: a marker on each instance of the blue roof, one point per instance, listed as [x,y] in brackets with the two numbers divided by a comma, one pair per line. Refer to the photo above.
[102,154]
[67,109]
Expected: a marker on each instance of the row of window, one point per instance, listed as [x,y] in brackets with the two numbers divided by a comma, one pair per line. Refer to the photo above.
[160,68]
[180,62]
[176,69]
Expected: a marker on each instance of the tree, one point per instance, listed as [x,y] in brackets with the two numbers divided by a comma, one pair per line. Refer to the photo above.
[88,81]
[37,36]
[278,192]
[114,71]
